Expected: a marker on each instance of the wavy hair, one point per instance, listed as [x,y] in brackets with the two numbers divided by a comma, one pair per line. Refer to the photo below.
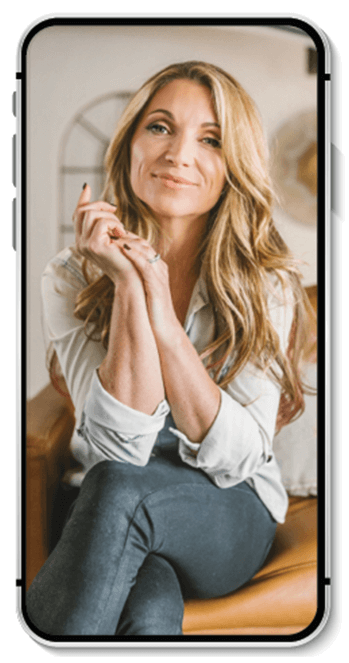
[242,254]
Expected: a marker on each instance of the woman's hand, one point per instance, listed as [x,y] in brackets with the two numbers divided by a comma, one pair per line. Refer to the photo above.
[155,278]
[98,233]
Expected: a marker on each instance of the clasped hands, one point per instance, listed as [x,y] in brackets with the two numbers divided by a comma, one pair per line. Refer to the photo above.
[124,257]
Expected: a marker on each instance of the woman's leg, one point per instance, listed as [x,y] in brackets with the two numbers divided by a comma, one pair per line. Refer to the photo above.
[214,539]
[155,604]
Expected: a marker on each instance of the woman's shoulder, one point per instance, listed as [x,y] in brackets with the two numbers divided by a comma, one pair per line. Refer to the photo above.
[66,266]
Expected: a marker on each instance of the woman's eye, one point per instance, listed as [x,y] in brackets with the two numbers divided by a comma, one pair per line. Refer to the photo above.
[157,128]
[212,141]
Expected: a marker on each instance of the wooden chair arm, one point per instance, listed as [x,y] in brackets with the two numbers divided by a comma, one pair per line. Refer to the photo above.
[50,424]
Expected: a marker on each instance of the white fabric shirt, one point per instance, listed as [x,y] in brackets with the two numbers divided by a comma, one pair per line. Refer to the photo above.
[237,447]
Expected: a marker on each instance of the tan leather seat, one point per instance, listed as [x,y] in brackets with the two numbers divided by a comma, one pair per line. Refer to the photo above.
[281,598]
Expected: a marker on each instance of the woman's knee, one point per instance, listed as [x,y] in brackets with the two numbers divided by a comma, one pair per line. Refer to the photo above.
[112,482]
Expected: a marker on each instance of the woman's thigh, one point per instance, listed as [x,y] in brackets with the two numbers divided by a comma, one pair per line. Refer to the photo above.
[216,539]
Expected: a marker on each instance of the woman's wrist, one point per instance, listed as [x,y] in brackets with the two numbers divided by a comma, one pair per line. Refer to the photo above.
[170,335]
[130,304]
[128,281]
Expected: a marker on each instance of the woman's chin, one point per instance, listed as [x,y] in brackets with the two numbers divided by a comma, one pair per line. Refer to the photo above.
[178,206]
[175,210]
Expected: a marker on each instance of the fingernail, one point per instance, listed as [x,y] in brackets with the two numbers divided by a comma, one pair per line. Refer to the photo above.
[126,246]
[84,185]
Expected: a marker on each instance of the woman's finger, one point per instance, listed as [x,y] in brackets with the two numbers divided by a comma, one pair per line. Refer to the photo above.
[98,205]
[140,244]
[85,195]
[85,204]
[139,255]
[84,199]
[85,226]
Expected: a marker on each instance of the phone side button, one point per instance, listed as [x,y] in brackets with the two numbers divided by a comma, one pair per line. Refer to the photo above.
[14,225]
[14,95]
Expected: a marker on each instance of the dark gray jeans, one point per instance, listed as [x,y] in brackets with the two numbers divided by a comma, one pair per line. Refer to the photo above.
[139,540]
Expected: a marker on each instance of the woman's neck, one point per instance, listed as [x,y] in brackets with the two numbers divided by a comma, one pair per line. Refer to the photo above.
[180,251]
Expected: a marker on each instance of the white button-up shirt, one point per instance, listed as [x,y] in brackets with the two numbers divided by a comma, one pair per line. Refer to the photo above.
[237,447]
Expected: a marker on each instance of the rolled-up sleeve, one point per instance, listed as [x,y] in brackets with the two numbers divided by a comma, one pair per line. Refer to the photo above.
[117,431]
[240,439]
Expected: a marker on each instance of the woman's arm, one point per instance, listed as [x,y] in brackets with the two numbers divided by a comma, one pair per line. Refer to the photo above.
[108,429]
[120,408]
[193,396]
[131,370]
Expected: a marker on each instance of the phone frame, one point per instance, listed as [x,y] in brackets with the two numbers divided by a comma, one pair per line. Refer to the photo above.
[324,340]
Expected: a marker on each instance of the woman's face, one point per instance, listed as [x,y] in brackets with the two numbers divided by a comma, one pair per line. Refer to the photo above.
[176,159]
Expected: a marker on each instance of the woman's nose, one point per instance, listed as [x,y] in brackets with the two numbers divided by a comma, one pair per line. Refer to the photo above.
[180,151]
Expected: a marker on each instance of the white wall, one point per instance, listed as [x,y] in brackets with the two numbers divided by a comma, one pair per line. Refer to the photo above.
[69,66]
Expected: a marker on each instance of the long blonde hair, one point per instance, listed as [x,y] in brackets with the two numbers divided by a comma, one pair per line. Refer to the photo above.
[241,250]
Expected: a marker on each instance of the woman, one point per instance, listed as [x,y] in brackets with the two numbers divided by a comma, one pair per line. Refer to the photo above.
[171,322]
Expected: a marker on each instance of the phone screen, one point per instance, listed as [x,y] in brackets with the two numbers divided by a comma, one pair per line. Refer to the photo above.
[77,78]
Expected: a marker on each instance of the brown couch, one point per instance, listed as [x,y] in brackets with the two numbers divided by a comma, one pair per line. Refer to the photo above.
[281,599]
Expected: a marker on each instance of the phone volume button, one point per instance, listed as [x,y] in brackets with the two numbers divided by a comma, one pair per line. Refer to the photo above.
[14,160]
[14,97]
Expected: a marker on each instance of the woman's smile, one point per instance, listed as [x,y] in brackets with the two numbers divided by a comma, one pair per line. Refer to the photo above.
[173,182]
[177,166]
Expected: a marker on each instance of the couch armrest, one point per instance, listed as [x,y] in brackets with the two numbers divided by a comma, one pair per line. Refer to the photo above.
[50,424]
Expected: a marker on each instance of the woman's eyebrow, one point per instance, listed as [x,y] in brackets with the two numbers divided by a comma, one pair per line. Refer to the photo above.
[169,114]
[211,124]
[162,110]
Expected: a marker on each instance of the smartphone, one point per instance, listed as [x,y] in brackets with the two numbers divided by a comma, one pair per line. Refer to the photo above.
[75,77]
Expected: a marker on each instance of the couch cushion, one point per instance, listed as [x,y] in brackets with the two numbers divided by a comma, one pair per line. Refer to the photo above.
[282,595]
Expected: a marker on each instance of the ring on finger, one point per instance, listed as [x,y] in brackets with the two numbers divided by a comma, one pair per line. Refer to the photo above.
[155,258]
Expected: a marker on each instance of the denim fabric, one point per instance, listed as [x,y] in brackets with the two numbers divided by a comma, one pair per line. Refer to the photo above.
[139,540]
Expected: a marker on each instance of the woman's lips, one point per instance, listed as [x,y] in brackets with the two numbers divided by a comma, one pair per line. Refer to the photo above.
[174,182]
